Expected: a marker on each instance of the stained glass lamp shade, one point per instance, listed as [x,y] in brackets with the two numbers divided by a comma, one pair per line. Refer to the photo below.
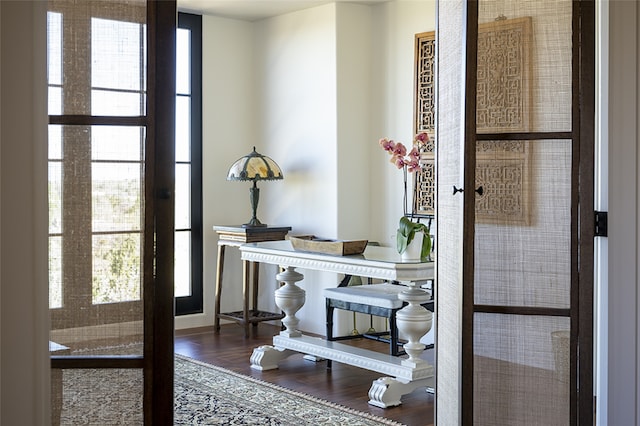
[254,167]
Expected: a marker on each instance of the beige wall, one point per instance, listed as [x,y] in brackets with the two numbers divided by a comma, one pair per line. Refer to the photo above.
[621,323]
[23,291]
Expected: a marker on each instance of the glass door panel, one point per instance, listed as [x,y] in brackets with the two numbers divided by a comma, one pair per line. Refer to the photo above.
[102,187]
[523,223]
[514,260]
[525,275]
[521,370]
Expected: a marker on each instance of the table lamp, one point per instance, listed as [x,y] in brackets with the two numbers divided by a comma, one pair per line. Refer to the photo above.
[254,167]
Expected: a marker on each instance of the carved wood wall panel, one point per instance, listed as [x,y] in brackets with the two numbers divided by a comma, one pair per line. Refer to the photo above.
[425,87]
[503,97]
[424,121]
[502,169]
[503,106]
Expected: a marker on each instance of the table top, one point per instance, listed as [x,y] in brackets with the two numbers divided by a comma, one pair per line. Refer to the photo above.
[240,234]
[376,262]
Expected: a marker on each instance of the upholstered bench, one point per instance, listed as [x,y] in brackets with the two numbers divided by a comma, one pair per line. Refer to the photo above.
[373,299]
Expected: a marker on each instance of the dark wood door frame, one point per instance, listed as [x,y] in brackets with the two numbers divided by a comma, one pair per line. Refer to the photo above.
[157,361]
[582,213]
[159,215]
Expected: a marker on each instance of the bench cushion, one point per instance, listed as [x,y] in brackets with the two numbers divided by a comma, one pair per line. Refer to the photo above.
[381,295]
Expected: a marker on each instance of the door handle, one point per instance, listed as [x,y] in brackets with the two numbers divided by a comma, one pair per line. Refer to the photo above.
[478,190]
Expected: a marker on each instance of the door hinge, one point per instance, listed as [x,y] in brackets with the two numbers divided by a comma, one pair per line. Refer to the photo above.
[600,224]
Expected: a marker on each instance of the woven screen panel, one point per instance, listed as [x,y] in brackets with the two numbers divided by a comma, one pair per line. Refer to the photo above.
[523,231]
[528,264]
[520,370]
[449,209]
[97,67]
[548,48]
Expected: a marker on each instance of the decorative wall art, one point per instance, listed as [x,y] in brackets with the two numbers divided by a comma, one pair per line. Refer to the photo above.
[424,107]
[504,69]
[425,86]
[502,169]
[503,106]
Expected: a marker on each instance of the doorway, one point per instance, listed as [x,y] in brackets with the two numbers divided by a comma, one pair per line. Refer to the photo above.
[515,265]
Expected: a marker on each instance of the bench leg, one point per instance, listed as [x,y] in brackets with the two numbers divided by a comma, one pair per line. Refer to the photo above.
[393,330]
[329,325]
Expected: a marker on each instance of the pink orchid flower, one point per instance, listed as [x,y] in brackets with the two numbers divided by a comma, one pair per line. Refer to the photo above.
[414,154]
[422,137]
[413,166]
[387,144]
[398,161]
[398,152]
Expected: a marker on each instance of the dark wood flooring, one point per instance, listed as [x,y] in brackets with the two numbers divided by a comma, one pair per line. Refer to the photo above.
[343,384]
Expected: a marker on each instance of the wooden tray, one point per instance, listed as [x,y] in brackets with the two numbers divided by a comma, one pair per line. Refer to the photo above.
[323,245]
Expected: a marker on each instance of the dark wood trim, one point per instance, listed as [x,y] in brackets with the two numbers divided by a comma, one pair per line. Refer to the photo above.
[97,120]
[581,137]
[522,310]
[575,227]
[585,128]
[469,211]
[194,303]
[523,136]
[97,361]
[159,214]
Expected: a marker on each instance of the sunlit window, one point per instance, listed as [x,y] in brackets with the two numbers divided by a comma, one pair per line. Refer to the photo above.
[188,213]
[96,171]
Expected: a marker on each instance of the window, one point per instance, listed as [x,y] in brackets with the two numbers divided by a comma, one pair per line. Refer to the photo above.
[96,166]
[188,237]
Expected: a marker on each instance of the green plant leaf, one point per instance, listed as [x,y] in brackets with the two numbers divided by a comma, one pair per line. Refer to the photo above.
[407,231]
[426,247]
[401,242]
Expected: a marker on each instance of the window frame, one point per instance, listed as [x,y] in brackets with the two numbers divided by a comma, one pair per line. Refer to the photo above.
[193,304]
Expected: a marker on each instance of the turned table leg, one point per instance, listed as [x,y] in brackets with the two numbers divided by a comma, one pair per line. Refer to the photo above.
[290,298]
[414,321]
[220,266]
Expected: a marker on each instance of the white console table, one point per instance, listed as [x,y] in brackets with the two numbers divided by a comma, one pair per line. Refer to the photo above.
[405,374]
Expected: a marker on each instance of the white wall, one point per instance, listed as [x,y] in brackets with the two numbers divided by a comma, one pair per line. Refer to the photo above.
[297,121]
[24,328]
[314,90]
[622,327]
[395,25]
[296,116]
[353,110]
[228,133]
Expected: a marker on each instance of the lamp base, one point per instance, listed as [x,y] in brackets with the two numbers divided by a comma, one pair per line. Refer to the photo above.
[254,223]
[254,196]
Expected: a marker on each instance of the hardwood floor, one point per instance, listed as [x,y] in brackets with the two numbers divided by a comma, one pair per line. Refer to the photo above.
[343,384]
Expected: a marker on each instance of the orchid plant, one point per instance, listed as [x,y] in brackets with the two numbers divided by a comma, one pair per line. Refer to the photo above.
[409,161]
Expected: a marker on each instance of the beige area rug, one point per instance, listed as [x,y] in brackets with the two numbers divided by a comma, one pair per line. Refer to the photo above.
[204,395]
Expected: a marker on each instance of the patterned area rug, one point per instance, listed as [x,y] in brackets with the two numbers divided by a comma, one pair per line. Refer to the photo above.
[204,395]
